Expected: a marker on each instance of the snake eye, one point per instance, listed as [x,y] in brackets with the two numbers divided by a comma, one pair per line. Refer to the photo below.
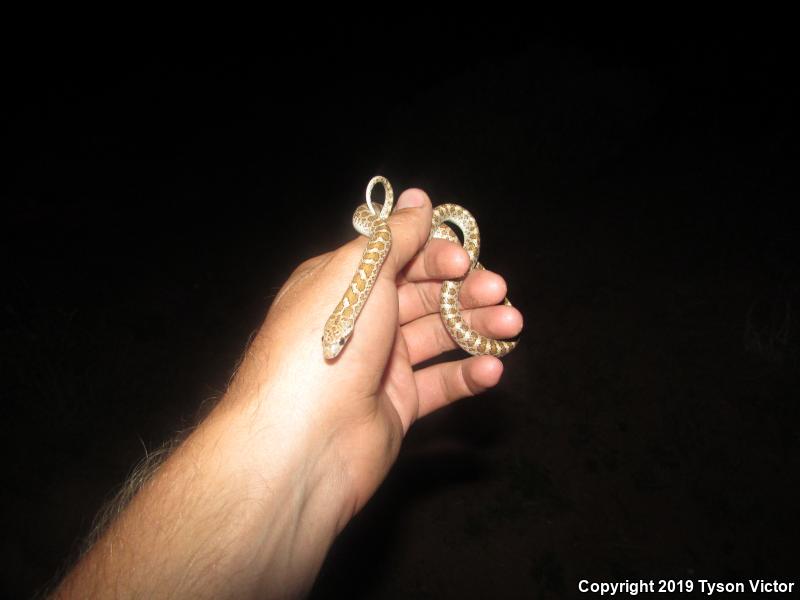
[341,341]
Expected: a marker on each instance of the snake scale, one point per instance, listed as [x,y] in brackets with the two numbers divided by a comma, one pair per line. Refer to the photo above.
[371,220]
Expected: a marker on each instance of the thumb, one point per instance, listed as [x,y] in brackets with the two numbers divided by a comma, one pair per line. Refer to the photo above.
[411,225]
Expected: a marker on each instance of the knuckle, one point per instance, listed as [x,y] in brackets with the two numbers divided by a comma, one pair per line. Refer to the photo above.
[351,251]
[309,264]
[470,386]
[444,384]
[464,384]
[427,302]
[443,339]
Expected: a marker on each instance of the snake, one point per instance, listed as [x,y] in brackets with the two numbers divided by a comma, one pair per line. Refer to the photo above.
[371,220]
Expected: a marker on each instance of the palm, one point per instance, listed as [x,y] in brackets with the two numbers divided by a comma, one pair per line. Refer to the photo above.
[399,385]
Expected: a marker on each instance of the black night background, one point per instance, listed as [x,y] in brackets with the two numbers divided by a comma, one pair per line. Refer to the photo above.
[634,187]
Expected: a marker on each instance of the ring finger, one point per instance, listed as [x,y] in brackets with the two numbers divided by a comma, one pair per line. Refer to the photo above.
[427,336]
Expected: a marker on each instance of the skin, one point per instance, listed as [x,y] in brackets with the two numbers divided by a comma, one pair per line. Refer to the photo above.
[249,504]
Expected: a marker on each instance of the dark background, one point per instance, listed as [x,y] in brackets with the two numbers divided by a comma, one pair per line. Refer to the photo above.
[632,183]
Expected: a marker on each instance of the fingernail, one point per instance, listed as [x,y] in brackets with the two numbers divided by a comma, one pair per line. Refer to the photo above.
[411,199]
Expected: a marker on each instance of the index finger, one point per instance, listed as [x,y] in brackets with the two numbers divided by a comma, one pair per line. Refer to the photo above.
[439,259]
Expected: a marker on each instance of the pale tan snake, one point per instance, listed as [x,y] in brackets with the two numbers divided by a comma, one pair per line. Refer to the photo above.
[371,220]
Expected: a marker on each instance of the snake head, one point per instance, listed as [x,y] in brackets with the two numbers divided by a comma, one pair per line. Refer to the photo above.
[335,337]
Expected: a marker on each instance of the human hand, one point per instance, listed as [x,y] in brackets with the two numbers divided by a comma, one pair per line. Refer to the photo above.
[361,404]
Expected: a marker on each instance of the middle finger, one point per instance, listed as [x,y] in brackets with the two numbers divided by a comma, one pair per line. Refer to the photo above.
[481,288]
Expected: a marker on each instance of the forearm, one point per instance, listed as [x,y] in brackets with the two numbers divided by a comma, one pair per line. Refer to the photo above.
[247,506]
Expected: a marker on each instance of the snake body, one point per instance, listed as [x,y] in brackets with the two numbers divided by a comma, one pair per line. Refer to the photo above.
[371,220]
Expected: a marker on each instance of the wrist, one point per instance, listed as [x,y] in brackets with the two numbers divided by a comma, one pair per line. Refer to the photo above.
[292,478]
[293,429]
